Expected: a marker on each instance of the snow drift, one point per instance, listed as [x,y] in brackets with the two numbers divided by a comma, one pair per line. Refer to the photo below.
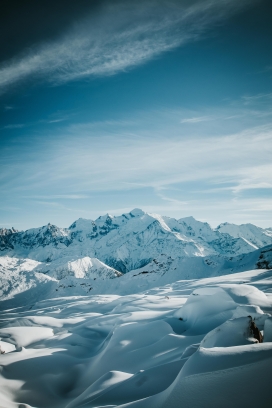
[134,351]
[138,311]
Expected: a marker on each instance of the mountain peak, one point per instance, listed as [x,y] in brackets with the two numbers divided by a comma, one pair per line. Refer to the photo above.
[81,223]
[136,212]
[190,218]
[104,219]
[7,231]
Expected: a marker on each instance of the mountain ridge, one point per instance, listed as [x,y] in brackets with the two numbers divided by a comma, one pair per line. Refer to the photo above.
[124,241]
[141,249]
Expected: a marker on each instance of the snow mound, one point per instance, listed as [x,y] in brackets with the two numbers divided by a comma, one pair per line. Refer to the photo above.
[100,387]
[214,377]
[233,332]
[25,336]
[246,295]
[133,351]
[209,307]
[205,309]
[254,311]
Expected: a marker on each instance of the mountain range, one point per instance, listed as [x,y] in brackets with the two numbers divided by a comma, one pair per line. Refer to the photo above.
[136,244]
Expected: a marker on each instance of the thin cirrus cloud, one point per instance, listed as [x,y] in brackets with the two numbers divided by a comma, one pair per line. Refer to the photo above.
[196,119]
[106,158]
[60,196]
[148,155]
[263,98]
[120,36]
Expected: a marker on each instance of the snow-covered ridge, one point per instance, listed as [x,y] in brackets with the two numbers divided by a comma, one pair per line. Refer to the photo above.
[256,236]
[132,240]
[81,268]
[148,248]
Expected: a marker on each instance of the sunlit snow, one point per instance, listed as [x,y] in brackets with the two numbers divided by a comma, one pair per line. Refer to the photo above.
[174,332]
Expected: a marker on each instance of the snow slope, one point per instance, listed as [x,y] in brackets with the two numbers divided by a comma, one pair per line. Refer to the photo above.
[18,276]
[87,268]
[135,351]
[35,280]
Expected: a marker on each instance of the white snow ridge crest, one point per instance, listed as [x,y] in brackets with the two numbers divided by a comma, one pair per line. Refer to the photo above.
[139,311]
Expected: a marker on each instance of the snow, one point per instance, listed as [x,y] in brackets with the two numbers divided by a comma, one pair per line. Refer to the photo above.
[85,267]
[268,330]
[174,330]
[257,237]
[110,350]
[220,377]
[25,336]
[220,337]
[130,241]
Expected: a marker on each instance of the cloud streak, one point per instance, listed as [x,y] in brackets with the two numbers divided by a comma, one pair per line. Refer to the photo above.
[120,36]
[150,160]
[125,155]
[196,119]
[260,98]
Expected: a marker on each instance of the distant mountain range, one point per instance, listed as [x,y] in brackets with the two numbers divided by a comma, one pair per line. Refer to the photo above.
[136,243]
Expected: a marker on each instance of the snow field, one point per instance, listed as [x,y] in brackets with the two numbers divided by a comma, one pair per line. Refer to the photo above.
[134,351]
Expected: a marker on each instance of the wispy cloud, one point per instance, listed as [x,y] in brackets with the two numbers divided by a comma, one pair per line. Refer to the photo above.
[217,169]
[39,122]
[54,205]
[259,98]
[196,119]
[104,158]
[121,36]
[56,120]
[59,196]
[172,201]
[254,177]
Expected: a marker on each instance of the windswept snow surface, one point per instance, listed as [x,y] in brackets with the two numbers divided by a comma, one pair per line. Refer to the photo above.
[183,344]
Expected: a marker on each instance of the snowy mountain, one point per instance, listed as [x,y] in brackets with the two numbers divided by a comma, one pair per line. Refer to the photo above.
[81,268]
[148,248]
[256,236]
[131,240]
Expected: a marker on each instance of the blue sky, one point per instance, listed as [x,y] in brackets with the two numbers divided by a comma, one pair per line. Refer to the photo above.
[162,105]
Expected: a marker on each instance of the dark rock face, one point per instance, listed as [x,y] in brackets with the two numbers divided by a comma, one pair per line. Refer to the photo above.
[265,259]
[117,264]
[6,236]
